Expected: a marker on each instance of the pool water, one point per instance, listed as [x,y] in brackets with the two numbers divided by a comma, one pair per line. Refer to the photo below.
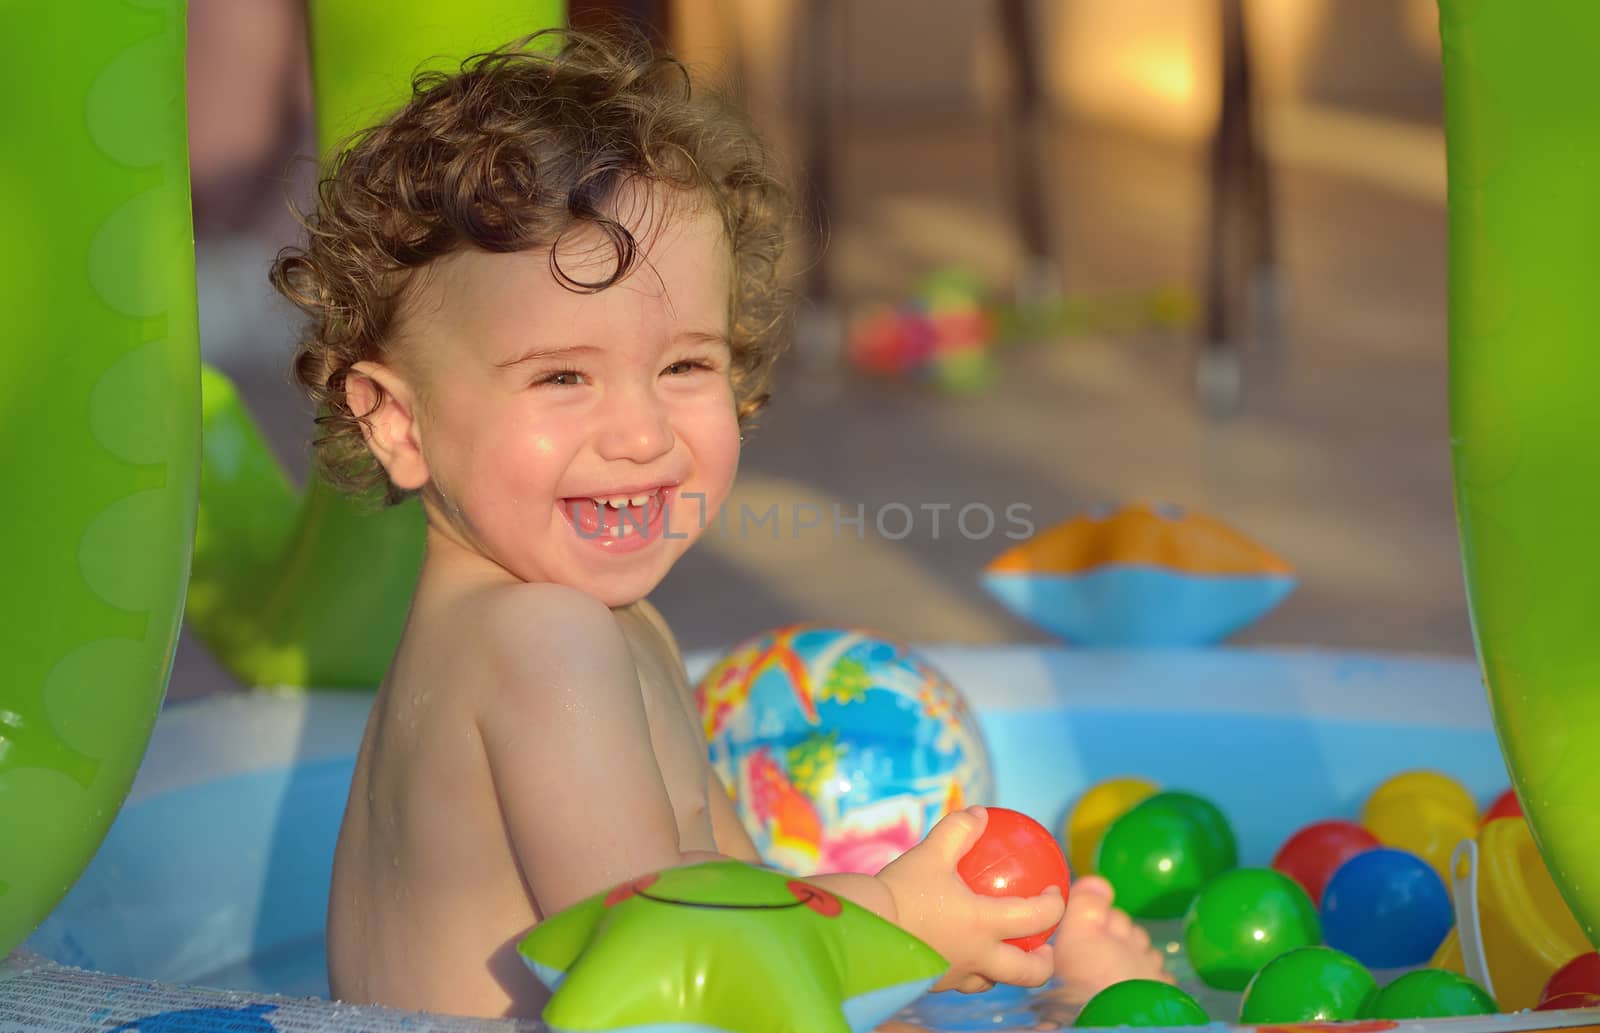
[216,871]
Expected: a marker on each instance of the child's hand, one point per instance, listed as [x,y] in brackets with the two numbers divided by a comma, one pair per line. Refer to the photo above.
[967,928]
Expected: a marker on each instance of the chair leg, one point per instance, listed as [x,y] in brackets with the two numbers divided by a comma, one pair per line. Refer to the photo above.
[1040,278]
[819,324]
[652,17]
[1241,270]
[1266,286]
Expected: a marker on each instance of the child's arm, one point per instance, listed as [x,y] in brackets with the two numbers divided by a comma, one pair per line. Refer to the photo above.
[727,829]
[921,892]
[568,744]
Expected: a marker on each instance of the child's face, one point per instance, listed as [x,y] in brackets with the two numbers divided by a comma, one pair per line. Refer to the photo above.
[541,408]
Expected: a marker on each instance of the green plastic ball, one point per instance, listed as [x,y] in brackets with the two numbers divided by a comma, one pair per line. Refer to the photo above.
[1219,840]
[1157,856]
[1141,1002]
[1308,984]
[1242,920]
[1430,993]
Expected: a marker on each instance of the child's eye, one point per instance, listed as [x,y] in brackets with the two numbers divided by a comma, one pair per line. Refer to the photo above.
[682,366]
[562,378]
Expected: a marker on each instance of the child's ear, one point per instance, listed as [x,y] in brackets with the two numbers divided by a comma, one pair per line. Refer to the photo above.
[390,427]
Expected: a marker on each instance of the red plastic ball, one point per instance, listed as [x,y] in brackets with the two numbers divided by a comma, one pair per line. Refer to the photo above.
[1015,857]
[1312,855]
[1581,975]
[1506,805]
[1564,1002]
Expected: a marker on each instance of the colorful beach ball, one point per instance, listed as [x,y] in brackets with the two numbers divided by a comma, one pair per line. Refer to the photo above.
[841,748]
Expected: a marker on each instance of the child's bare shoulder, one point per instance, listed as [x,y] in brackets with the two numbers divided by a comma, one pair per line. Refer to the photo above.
[535,612]
[658,625]
[531,646]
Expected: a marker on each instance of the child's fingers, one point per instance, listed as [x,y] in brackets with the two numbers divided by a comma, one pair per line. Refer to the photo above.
[1010,917]
[1046,953]
[956,833]
[973,984]
[1013,965]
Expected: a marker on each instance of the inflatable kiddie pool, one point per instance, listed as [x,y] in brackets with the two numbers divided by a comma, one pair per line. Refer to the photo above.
[214,872]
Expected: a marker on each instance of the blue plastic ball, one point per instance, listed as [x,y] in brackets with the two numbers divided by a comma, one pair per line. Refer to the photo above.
[1386,908]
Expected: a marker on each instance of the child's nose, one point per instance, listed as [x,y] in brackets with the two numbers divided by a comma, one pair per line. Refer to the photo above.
[634,426]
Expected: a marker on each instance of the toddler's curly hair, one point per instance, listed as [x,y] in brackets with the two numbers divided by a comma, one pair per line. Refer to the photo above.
[522,145]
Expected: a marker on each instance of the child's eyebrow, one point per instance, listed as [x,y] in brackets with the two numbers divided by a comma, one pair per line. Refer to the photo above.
[701,337]
[547,353]
[570,351]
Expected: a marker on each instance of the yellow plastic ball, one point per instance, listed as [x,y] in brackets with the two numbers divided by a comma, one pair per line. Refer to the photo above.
[1421,825]
[1424,812]
[1099,806]
[1435,785]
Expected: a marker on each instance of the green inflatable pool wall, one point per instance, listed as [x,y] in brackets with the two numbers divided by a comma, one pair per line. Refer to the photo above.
[1522,93]
[101,413]
[99,423]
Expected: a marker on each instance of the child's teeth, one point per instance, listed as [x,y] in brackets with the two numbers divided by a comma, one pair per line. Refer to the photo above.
[639,500]
[617,532]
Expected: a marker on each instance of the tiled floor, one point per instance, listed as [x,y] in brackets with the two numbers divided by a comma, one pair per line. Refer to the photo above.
[1339,460]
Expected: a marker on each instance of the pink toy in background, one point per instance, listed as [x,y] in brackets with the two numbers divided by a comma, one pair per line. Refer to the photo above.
[942,334]
[948,330]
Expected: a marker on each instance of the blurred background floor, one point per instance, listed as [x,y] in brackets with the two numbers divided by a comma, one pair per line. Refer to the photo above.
[1338,459]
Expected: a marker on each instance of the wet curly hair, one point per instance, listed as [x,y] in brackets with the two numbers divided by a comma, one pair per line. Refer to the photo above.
[522,145]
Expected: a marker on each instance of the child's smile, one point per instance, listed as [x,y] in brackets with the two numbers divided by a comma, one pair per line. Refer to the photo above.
[625,521]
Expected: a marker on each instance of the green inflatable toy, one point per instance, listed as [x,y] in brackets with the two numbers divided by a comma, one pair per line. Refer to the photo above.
[725,945]
[1521,92]
[100,432]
